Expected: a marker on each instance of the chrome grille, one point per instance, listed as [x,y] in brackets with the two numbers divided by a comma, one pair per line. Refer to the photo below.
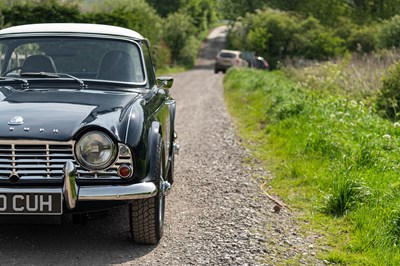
[45,160]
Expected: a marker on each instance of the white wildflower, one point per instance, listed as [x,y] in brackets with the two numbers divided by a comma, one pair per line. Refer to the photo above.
[387,136]
[396,125]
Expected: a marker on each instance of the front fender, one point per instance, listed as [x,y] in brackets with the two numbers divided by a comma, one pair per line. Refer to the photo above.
[172,109]
[152,137]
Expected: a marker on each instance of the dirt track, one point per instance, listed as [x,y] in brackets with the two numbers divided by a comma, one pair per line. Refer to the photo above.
[216,213]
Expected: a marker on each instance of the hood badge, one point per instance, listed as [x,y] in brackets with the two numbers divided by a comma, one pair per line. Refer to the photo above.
[16,121]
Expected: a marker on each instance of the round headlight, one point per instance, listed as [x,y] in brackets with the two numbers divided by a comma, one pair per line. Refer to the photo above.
[95,150]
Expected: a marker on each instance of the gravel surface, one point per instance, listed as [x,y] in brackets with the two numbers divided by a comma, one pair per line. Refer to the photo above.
[216,213]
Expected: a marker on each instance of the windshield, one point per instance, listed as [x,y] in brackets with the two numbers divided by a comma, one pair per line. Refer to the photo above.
[84,58]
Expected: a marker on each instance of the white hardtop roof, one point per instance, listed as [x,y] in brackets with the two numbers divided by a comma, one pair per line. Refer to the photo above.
[80,28]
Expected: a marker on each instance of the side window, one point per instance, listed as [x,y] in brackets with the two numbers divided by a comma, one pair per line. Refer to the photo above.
[149,64]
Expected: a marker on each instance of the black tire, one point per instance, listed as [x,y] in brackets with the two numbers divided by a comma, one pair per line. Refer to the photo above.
[216,71]
[146,216]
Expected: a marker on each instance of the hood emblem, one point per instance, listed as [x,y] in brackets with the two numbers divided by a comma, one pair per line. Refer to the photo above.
[16,120]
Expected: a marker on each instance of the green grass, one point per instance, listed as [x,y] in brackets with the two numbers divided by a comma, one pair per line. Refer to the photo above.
[170,70]
[332,159]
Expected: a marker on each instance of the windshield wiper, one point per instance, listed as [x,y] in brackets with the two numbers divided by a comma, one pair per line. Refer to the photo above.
[24,82]
[82,85]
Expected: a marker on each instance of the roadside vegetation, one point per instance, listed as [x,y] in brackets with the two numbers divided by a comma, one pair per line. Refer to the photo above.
[333,158]
[315,30]
[326,122]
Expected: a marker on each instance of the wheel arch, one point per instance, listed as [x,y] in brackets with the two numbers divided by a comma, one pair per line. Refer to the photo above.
[154,133]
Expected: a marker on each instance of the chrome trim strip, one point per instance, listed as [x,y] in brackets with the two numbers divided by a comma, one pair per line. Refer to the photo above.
[36,142]
[29,190]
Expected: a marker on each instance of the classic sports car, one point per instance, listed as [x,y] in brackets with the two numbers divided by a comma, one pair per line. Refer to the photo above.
[84,126]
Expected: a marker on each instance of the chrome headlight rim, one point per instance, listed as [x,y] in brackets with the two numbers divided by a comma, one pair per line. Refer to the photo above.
[95,167]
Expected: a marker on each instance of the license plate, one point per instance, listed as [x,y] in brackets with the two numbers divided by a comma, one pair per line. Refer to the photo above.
[31,203]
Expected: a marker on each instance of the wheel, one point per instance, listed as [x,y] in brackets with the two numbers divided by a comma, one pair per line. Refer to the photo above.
[216,71]
[146,216]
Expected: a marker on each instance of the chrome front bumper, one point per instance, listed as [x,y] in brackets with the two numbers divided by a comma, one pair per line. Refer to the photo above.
[72,193]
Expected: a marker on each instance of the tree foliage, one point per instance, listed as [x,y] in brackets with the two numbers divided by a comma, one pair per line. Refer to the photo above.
[40,12]
[276,29]
[179,41]
[165,7]
[390,33]
[327,11]
[277,35]
[134,14]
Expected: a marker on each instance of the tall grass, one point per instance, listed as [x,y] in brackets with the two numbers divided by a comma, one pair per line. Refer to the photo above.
[333,159]
[357,76]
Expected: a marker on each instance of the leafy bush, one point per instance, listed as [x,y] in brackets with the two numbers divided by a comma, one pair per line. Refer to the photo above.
[388,101]
[161,55]
[135,15]
[268,33]
[364,39]
[277,35]
[180,41]
[188,54]
[389,35]
[47,11]
[313,41]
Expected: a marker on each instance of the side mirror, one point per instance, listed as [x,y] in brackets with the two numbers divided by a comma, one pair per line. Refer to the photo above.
[165,82]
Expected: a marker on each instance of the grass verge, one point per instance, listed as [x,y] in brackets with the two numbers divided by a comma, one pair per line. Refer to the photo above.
[333,159]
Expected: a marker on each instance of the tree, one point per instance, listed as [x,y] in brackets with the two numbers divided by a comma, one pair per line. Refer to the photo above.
[232,9]
[179,40]
[134,14]
[203,12]
[165,7]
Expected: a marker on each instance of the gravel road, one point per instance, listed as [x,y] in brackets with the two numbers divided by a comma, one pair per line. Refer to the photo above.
[216,213]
